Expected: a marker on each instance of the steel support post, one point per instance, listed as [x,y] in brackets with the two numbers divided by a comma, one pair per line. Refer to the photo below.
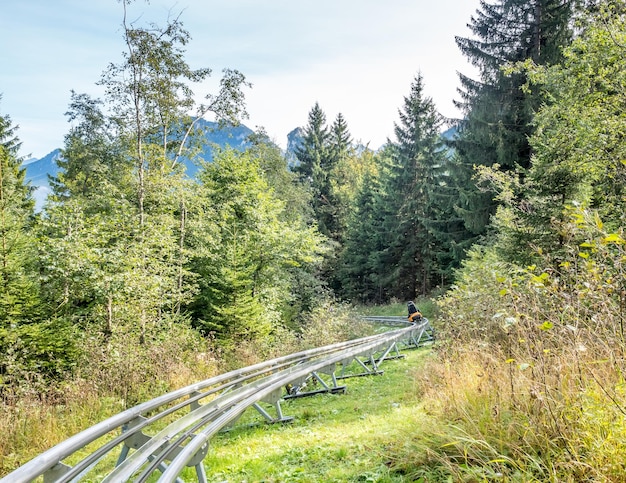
[368,372]
[335,388]
[201,473]
[268,417]
[56,472]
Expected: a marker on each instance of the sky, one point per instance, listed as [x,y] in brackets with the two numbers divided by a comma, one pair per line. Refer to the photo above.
[354,57]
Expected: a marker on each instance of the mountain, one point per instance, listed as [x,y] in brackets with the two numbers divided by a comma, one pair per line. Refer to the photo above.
[235,137]
[294,141]
[38,171]
[450,133]
[37,174]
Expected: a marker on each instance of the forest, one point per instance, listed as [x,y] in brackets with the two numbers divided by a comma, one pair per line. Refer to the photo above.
[135,278]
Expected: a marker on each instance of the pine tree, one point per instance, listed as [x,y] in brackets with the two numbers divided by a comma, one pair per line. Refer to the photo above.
[446,224]
[498,112]
[18,281]
[418,158]
[313,166]
[383,225]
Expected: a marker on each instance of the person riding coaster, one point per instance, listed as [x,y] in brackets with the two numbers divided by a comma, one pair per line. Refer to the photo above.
[414,313]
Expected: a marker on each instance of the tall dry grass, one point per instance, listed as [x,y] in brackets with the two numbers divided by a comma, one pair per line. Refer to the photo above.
[113,374]
[123,370]
[529,379]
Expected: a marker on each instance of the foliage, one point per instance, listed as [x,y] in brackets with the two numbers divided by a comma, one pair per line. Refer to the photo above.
[35,353]
[18,284]
[31,347]
[245,287]
[116,291]
[531,371]
[332,169]
[110,251]
[111,375]
[392,243]
[498,112]
[362,242]
[130,370]
[330,323]
[578,145]
[528,378]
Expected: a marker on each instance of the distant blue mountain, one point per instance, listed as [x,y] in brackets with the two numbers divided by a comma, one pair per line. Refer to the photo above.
[450,133]
[38,171]
[294,141]
[235,137]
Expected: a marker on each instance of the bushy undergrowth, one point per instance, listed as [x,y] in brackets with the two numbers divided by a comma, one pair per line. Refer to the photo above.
[124,369]
[530,375]
[112,374]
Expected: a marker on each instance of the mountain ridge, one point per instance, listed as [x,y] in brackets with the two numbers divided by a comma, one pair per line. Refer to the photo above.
[39,171]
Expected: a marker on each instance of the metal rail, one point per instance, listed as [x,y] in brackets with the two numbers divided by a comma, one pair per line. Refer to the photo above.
[171,432]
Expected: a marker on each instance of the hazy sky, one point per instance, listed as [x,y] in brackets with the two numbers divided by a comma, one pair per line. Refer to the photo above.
[355,57]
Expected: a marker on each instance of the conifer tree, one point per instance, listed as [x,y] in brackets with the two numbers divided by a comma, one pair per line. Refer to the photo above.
[417,159]
[34,345]
[312,151]
[357,275]
[313,166]
[18,283]
[246,257]
[392,246]
[578,147]
[327,165]
[344,176]
[340,140]
[497,111]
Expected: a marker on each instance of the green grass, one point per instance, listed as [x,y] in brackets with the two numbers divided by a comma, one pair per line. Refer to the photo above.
[333,438]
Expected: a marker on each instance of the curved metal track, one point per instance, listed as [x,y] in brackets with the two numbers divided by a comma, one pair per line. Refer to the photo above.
[171,432]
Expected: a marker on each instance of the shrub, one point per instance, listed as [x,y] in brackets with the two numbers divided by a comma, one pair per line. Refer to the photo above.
[531,369]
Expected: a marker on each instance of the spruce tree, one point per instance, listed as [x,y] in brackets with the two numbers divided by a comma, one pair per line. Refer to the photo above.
[34,344]
[406,260]
[18,281]
[578,147]
[327,165]
[344,176]
[340,140]
[249,257]
[420,157]
[357,267]
[313,167]
[497,110]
